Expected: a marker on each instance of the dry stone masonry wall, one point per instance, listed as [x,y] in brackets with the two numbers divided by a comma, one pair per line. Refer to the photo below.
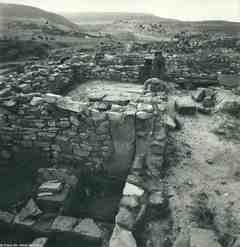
[64,130]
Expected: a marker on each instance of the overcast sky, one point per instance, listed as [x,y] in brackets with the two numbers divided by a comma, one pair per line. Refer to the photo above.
[180,9]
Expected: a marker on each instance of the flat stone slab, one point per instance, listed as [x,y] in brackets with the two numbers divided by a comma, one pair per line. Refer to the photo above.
[61,174]
[64,224]
[131,189]
[70,105]
[89,229]
[51,186]
[53,202]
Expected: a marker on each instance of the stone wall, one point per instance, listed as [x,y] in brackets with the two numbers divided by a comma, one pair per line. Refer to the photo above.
[144,191]
[123,73]
[66,132]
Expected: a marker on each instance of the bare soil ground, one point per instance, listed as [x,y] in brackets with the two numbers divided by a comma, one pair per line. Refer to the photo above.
[199,160]
[108,88]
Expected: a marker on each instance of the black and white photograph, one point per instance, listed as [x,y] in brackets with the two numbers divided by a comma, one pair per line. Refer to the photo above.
[120,123]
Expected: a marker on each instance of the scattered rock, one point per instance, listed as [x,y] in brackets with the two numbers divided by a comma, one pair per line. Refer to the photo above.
[88,228]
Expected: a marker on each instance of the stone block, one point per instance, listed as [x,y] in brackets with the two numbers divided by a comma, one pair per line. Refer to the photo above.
[68,104]
[51,186]
[131,189]
[185,105]
[142,115]
[89,229]
[98,116]
[51,98]
[145,107]
[64,224]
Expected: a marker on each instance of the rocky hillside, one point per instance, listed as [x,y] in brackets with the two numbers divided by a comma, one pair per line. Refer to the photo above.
[146,27]
[26,14]
[111,17]
[27,31]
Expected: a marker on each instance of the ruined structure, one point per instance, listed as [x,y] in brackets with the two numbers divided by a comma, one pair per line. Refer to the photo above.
[119,152]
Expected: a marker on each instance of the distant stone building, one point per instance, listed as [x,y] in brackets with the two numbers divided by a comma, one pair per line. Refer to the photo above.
[154,67]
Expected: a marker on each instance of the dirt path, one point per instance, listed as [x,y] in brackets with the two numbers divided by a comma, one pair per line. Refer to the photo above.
[200,160]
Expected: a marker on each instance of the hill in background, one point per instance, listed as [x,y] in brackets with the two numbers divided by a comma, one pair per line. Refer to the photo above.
[112,17]
[146,26]
[26,14]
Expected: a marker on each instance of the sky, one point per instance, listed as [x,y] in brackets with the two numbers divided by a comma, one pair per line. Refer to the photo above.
[179,9]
